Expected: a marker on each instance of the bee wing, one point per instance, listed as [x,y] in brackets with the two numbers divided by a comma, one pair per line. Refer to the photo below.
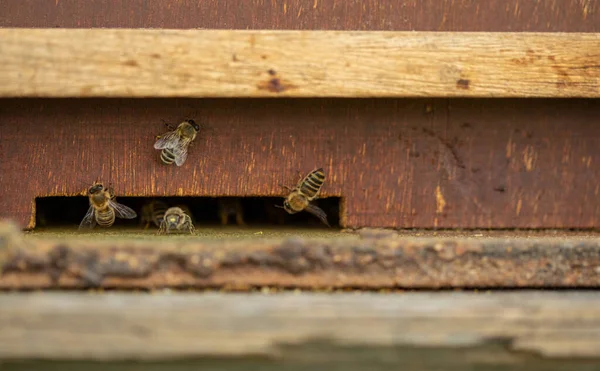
[88,220]
[122,211]
[180,151]
[318,212]
[168,140]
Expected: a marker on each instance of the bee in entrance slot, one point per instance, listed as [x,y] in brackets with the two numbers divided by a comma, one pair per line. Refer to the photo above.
[231,207]
[153,212]
[176,220]
[104,208]
[174,144]
[306,190]
[186,210]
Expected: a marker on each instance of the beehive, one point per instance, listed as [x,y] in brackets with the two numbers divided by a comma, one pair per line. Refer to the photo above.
[453,123]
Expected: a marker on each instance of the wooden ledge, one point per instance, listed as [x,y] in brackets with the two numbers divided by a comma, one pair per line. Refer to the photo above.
[370,259]
[227,63]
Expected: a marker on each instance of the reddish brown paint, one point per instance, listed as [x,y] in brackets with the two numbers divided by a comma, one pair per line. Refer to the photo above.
[405,15]
[400,163]
[397,163]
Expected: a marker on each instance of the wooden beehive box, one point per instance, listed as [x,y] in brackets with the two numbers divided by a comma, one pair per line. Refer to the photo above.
[470,128]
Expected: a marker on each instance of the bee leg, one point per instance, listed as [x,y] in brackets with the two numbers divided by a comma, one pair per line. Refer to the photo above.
[162,228]
[286,187]
[169,126]
[190,225]
[111,190]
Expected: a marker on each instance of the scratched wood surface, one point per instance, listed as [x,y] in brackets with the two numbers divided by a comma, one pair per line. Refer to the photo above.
[384,15]
[546,326]
[406,163]
[236,63]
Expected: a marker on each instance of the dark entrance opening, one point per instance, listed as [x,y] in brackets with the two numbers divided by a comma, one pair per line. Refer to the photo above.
[206,211]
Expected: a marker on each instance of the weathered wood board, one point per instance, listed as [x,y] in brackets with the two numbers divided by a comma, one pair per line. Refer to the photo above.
[519,328]
[370,259]
[497,163]
[236,63]
[383,15]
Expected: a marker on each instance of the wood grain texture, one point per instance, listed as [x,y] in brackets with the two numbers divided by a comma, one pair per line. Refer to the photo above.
[383,15]
[221,63]
[396,163]
[138,326]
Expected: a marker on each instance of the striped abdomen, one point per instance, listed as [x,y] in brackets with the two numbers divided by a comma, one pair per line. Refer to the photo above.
[106,217]
[312,183]
[167,156]
[158,212]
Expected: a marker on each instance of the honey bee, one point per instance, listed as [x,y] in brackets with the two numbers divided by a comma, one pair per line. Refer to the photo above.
[306,190]
[153,212]
[176,220]
[228,207]
[186,210]
[103,208]
[174,144]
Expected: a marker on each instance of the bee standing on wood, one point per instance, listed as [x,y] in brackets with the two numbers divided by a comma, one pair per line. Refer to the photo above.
[228,207]
[174,144]
[176,220]
[153,212]
[306,190]
[103,208]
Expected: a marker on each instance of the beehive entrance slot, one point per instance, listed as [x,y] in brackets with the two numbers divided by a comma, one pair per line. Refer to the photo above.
[67,212]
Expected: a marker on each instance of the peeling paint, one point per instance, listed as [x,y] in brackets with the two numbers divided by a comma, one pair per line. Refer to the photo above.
[439,199]
[529,158]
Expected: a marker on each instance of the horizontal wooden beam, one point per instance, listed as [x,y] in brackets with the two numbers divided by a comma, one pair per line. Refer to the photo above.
[115,326]
[227,63]
[369,259]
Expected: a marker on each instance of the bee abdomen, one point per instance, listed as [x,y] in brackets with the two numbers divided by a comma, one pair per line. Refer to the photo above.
[158,213]
[105,218]
[167,156]
[312,183]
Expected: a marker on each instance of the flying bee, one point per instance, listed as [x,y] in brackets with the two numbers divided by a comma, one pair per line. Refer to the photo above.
[176,220]
[174,144]
[103,208]
[229,207]
[153,212]
[306,190]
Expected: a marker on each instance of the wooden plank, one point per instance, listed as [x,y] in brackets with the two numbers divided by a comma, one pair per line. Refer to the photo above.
[382,15]
[402,163]
[368,260]
[215,63]
[525,325]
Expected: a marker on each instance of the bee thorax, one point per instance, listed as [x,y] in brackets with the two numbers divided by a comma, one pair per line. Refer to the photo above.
[296,202]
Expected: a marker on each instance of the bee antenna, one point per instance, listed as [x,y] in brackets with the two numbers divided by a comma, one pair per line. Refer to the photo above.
[279,207]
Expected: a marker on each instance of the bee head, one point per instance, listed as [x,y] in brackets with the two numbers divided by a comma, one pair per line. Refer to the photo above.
[173,216]
[194,125]
[97,187]
[172,219]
